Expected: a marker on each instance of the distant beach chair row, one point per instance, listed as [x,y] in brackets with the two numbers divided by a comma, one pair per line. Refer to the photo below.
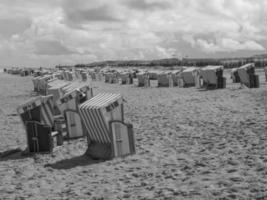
[209,77]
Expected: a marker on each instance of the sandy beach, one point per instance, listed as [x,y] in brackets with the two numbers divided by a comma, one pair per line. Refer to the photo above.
[191,144]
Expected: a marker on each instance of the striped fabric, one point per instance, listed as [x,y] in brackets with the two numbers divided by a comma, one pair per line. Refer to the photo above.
[78,85]
[84,92]
[96,114]
[55,82]
[56,90]
[46,105]
[66,98]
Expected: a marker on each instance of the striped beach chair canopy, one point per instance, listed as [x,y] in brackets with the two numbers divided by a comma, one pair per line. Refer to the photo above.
[39,109]
[74,85]
[97,112]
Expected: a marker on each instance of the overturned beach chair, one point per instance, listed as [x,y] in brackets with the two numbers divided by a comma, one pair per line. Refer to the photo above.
[108,135]
[68,106]
[38,119]
[212,77]
[247,76]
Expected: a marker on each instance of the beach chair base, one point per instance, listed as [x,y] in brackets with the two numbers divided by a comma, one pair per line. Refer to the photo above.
[221,82]
[254,81]
[123,140]
[74,126]
[41,138]
[122,144]
[99,150]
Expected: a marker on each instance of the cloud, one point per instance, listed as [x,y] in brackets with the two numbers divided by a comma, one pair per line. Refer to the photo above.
[225,45]
[147,4]
[11,26]
[229,44]
[81,13]
[96,14]
[50,47]
[51,32]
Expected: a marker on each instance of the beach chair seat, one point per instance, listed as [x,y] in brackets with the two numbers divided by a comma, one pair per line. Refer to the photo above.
[41,138]
[122,138]
[103,118]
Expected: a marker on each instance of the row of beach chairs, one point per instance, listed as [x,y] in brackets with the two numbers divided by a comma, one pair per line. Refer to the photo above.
[209,77]
[68,110]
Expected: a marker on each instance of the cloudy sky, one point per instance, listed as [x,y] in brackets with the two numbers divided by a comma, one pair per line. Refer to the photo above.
[50,32]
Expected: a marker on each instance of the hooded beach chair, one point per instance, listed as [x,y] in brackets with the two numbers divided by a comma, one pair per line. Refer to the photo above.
[163,79]
[212,77]
[57,92]
[35,82]
[43,83]
[84,76]
[188,76]
[174,78]
[265,71]
[142,80]
[38,120]
[68,106]
[108,135]
[247,76]
[234,75]
[123,78]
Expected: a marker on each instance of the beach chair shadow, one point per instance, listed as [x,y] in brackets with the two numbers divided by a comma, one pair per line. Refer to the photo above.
[82,160]
[13,154]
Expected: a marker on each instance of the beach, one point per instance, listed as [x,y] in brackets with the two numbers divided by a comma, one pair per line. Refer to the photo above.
[190,144]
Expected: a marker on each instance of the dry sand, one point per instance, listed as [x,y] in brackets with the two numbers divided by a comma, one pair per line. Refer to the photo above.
[190,144]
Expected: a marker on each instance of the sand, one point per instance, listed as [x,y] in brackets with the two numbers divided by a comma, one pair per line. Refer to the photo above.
[190,144]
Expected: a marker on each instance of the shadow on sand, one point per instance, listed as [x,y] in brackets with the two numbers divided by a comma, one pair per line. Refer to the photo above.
[13,154]
[82,160]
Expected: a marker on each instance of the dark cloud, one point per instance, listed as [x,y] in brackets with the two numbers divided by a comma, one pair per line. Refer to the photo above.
[76,17]
[98,14]
[51,47]
[145,5]
[10,26]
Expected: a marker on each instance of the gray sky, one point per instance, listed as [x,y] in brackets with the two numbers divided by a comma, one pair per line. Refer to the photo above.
[49,32]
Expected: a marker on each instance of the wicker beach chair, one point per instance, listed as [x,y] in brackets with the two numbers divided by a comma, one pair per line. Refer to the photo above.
[68,106]
[108,135]
[247,76]
[39,122]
